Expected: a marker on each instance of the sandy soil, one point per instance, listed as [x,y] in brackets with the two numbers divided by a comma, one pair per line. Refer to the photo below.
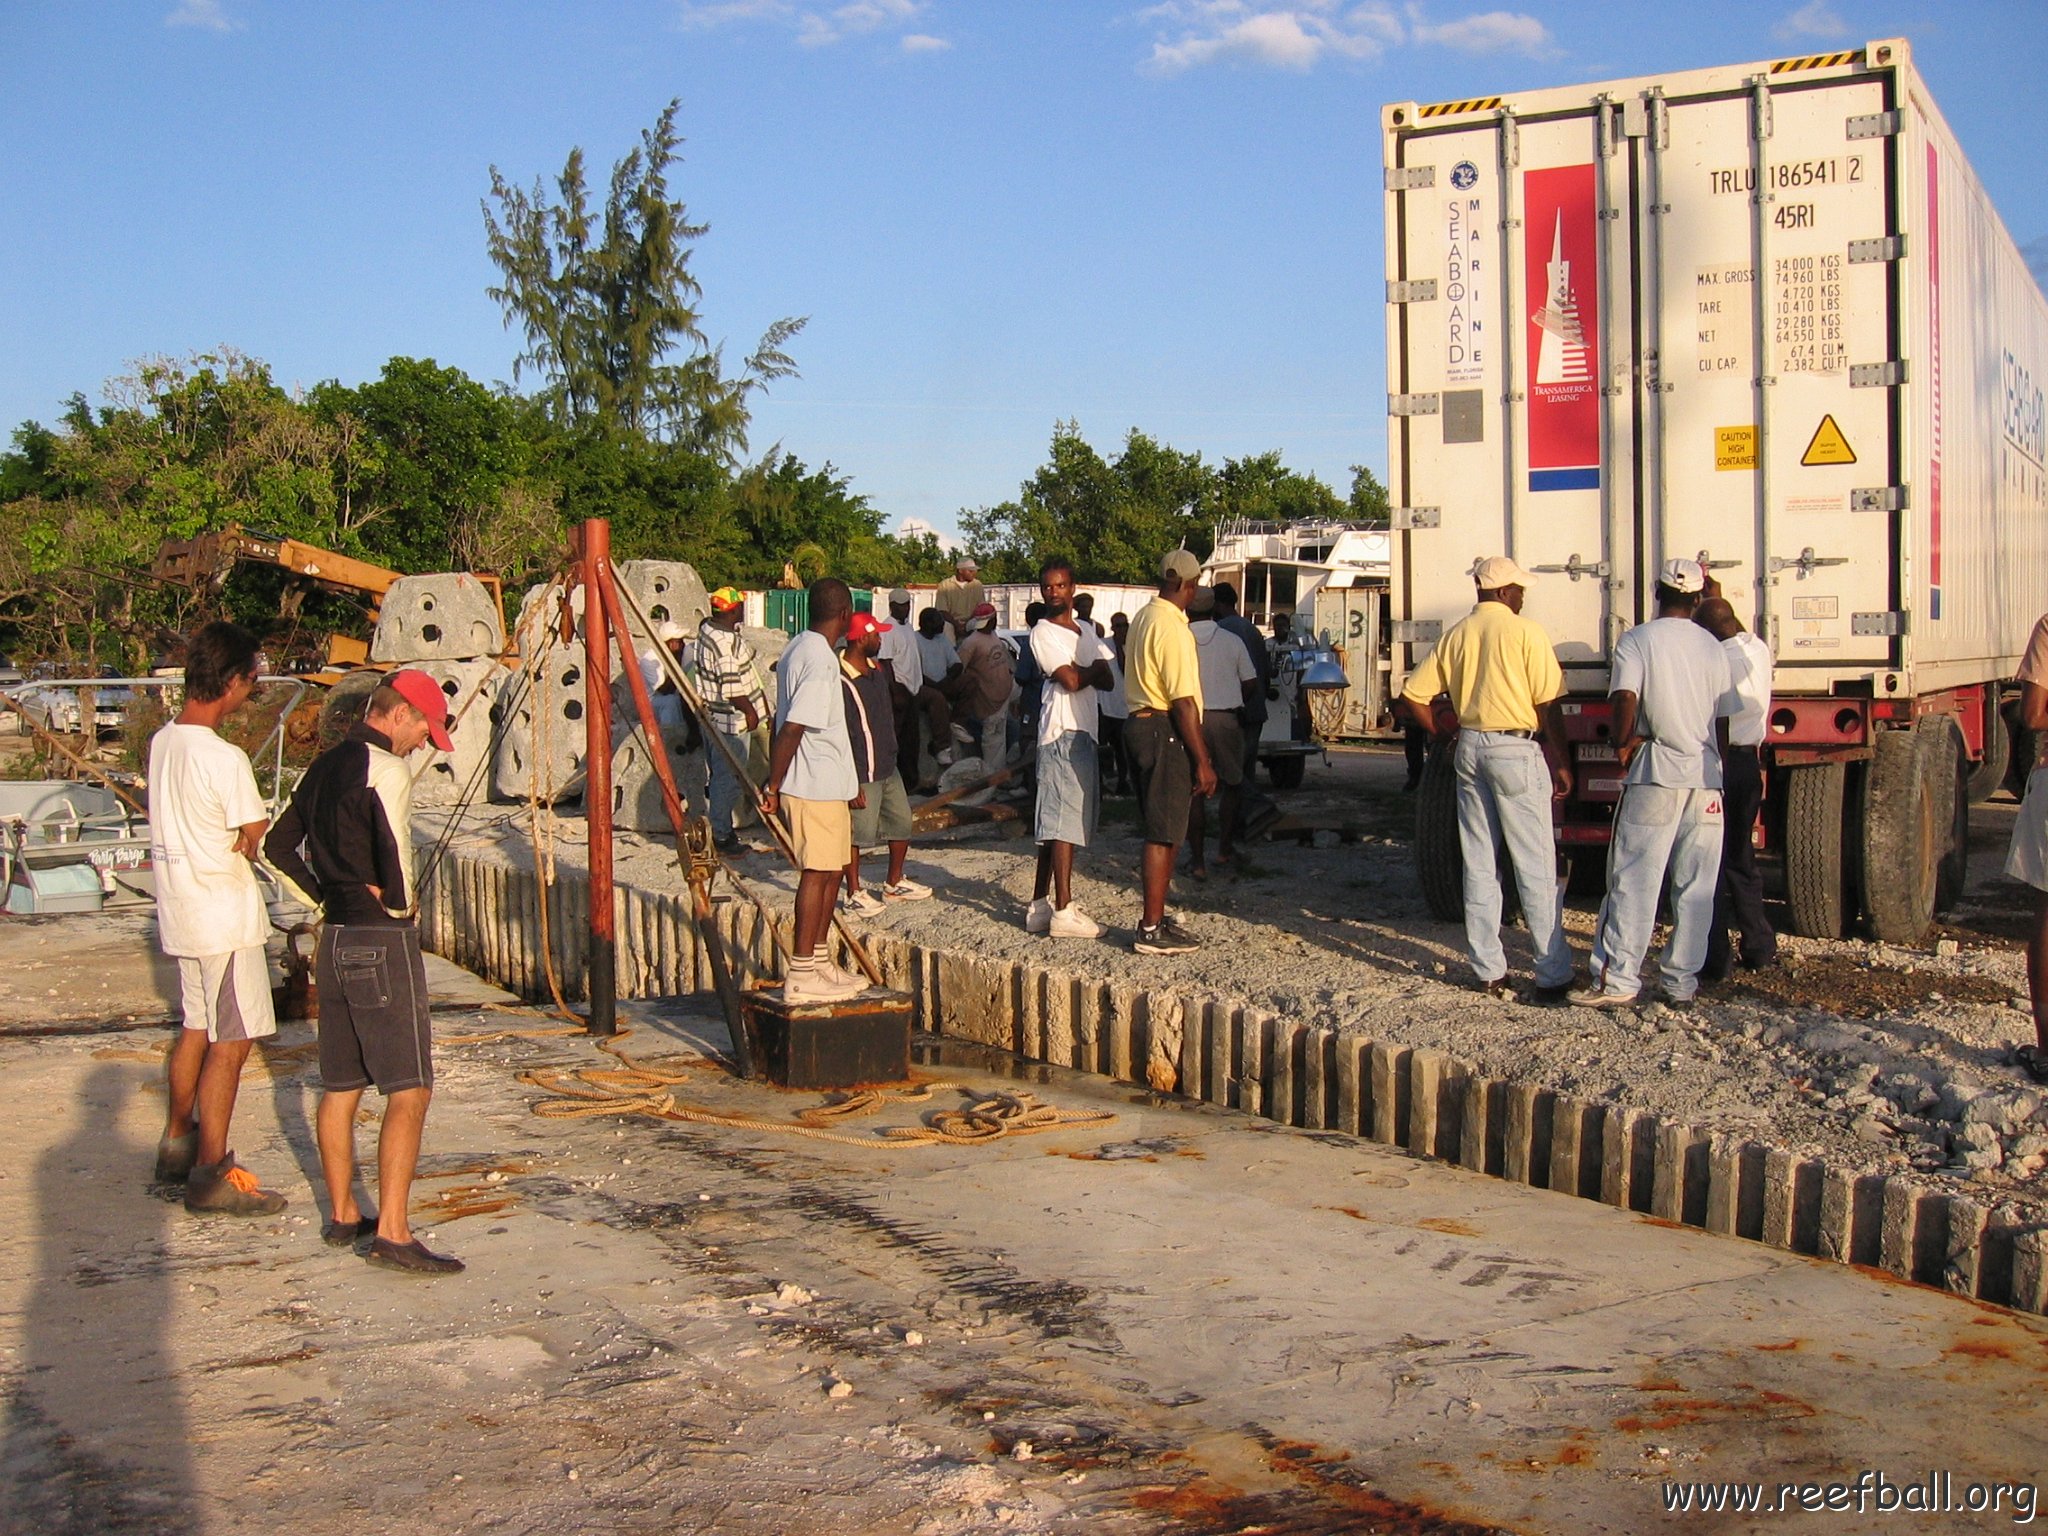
[1879,1057]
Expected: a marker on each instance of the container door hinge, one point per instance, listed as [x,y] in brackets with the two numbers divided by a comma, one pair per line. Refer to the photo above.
[1574,568]
[1892,623]
[1410,178]
[1414,405]
[1415,291]
[1418,631]
[1416,517]
[1877,375]
[1876,125]
[1879,498]
[1889,248]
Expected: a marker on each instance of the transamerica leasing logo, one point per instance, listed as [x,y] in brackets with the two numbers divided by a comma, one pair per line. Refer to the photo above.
[1561,268]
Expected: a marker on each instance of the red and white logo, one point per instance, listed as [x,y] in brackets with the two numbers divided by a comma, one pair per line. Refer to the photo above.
[1561,265]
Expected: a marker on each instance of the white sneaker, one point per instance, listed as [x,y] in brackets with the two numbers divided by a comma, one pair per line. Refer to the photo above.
[824,984]
[1038,916]
[1070,922]
[906,890]
[862,903]
[844,977]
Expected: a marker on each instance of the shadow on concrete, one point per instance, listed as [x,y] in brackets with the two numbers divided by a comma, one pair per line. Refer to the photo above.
[96,1370]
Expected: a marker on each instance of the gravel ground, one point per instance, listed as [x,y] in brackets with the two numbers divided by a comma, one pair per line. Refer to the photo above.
[1874,1056]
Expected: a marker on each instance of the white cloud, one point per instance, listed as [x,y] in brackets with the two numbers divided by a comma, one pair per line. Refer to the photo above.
[1815,19]
[1490,32]
[814,26]
[923,42]
[207,15]
[1298,36]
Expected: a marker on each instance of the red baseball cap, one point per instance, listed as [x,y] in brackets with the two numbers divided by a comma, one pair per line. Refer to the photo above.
[424,695]
[865,624]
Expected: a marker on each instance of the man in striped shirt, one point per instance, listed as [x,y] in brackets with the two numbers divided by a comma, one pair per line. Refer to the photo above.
[881,810]
[729,677]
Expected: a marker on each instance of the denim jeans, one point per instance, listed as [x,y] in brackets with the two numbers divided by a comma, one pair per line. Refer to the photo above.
[1659,829]
[726,792]
[1504,797]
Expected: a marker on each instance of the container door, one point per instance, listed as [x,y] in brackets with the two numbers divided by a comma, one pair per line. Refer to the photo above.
[1509,376]
[1761,314]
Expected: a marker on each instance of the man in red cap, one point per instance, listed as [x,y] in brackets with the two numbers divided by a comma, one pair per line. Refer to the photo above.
[345,843]
[881,809]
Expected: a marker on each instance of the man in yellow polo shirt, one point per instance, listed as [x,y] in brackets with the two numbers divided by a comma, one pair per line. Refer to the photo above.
[1163,688]
[1502,678]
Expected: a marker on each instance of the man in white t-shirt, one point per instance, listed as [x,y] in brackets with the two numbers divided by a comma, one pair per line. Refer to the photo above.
[1229,679]
[1670,684]
[1075,663]
[811,784]
[1739,896]
[900,654]
[206,824]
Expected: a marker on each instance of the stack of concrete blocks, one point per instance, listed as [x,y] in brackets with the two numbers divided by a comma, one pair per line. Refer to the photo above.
[446,625]
[665,590]
[540,745]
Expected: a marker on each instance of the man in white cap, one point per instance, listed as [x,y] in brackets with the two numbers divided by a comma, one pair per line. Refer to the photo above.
[1671,685]
[959,595]
[900,655]
[1500,673]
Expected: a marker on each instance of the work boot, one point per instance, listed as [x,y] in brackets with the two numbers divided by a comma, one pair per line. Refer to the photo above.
[820,984]
[175,1156]
[227,1189]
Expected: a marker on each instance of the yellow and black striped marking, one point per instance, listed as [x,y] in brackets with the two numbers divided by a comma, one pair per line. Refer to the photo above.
[1817,61]
[1452,108]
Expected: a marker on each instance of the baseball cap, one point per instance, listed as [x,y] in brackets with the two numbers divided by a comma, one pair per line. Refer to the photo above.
[1683,576]
[865,624]
[966,563]
[424,695]
[1203,603]
[900,598]
[1181,563]
[1497,571]
[669,629]
[725,599]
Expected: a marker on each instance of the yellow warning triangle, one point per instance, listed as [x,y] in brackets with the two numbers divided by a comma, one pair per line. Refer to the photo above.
[1828,445]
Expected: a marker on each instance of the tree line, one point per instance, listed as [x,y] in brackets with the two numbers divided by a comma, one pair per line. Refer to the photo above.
[621,406]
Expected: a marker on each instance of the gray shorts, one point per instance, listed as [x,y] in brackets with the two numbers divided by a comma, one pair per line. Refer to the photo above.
[2026,857]
[886,816]
[1069,790]
[374,1025]
[1225,737]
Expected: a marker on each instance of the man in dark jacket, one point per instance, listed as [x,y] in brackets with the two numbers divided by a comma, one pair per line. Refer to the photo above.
[346,844]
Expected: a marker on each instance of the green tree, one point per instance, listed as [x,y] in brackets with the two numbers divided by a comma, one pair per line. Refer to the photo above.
[1112,518]
[1262,489]
[609,307]
[1368,502]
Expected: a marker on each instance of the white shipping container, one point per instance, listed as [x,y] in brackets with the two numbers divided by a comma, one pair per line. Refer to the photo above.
[1765,316]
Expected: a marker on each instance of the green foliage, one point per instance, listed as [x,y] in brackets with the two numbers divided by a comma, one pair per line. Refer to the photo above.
[608,305]
[1263,489]
[1368,503]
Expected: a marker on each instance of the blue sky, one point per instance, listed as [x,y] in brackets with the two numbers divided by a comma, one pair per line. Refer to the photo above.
[997,213]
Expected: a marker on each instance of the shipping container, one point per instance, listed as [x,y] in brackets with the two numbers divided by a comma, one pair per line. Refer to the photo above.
[1763,316]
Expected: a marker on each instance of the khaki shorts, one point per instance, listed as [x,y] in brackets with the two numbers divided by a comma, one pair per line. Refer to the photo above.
[822,831]
[228,995]
[2026,858]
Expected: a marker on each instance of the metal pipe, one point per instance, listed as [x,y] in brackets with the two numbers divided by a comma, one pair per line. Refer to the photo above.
[594,548]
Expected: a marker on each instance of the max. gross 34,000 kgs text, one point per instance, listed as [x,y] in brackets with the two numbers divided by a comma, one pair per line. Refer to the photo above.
[1763,316]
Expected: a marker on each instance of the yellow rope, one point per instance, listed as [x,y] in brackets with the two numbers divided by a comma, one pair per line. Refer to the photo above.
[637,1088]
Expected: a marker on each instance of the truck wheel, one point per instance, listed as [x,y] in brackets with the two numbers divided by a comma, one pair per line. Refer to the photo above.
[1287,772]
[1987,777]
[1816,874]
[1903,838]
[1947,767]
[1439,862]
[1586,872]
[2020,752]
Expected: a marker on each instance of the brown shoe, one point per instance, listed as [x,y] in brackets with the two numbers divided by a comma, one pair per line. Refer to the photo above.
[413,1257]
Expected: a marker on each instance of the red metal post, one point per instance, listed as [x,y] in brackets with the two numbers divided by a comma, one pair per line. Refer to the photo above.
[594,548]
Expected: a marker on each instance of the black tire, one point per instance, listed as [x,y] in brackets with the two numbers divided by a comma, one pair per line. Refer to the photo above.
[1816,866]
[1287,772]
[1905,830]
[1586,872]
[1439,861]
[1987,776]
[1947,768]
[2019,751]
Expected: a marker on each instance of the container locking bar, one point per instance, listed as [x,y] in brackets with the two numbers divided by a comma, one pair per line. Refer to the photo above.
[1574,568]
[1806,562]
[1415,517]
